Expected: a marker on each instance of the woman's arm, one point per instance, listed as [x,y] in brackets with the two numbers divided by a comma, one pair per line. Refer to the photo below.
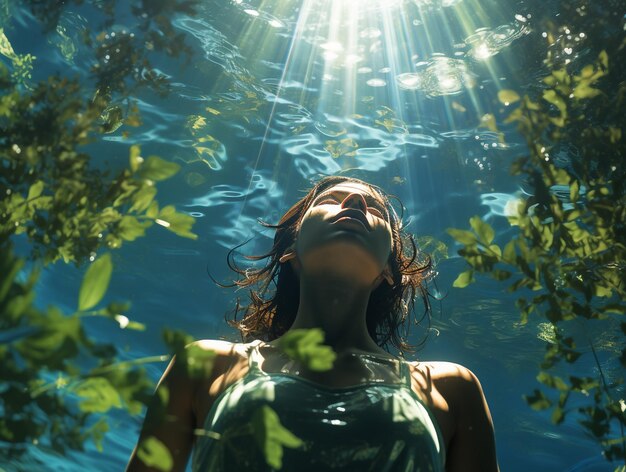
[169,419]
[173,414]
[472,447]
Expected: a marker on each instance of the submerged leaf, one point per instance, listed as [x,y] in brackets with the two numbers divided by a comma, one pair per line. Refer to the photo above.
[95,283]
[179,223]
[98,395]
[135,158]
[485,232]
[461,236]
[154,453]
[538,401]
[155,168]
[305,346]
[130,228]
[464,279]
[489,121]
[271,436]
[198,361]
[507,97]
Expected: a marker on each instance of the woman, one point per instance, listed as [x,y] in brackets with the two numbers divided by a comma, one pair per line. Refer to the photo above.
[340,263]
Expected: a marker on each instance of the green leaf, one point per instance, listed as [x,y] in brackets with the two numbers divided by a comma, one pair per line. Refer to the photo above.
[178,223]
[464,279]
[5,46]
[484,231]
[271,436]
[155,168]
[461,236]
[97,433]
[305,346]
[583,90]
[602,291]
[494,248]
[153,210]
[552,97]
[135,158]
[98,395]
[603,57]
[574,191]
[552,381]
[509,252]
[35,190]
[154,453]
[538,401]
[95,283]
[558,415]
[507,97]
[143,198]
[198,361]
[130,228]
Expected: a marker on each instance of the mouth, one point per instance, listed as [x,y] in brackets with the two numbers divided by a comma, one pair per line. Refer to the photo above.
[352,215]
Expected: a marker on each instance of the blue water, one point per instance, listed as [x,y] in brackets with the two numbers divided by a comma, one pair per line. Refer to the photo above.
[282,93]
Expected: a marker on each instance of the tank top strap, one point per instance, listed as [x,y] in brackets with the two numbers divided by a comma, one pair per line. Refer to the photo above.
[405,373]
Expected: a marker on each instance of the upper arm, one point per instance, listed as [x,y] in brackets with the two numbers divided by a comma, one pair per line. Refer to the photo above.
[170,417]
[472,448]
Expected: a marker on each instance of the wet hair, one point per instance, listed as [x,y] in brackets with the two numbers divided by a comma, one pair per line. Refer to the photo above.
[275,290]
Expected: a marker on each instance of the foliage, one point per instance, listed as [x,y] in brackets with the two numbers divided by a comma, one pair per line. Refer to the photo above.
[57,204]
[48,392]
[566,260]
[66,207]
[272,436]
[305,346]
[154,453]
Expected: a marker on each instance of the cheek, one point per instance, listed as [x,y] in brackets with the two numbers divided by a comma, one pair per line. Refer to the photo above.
[307,230]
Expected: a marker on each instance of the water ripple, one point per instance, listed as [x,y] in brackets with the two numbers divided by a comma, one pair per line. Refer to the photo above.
[438,76]
[487,42]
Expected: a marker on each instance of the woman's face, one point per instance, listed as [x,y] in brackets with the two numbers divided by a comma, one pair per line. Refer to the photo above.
[346,230]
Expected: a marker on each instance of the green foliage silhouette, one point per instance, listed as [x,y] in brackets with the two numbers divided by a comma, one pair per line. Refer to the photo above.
[62,206]
[566,260]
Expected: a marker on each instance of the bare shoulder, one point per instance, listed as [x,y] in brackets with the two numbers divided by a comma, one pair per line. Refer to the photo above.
[461,408]
[219,347]
[453,381]
[440,370]
[213,365]
[215,358]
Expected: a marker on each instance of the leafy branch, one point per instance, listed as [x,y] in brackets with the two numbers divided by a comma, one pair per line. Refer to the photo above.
[569,249]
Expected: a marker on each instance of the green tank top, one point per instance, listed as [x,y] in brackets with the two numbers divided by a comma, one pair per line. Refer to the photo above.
[378,426]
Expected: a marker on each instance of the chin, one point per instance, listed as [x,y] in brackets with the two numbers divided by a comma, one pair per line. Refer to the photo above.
[341,259]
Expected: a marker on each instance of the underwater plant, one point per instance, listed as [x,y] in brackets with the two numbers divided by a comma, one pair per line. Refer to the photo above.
[59,204]
[565,259]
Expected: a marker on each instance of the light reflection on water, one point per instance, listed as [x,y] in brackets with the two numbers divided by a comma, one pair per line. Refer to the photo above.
[345,100]
[344,64]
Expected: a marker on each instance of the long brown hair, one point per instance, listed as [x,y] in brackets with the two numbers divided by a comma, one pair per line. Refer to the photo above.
[275,289]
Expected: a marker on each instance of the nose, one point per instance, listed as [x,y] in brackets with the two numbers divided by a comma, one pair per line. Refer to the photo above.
[355,200]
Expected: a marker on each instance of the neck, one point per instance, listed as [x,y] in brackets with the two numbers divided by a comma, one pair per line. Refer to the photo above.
[339,308]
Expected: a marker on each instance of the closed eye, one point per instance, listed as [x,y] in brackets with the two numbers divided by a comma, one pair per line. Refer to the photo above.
[373,210]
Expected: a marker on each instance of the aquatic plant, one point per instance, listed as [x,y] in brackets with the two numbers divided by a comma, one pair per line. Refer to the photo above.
[565,262]
[59,204]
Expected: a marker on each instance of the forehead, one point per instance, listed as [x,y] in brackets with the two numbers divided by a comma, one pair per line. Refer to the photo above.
[353,187]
